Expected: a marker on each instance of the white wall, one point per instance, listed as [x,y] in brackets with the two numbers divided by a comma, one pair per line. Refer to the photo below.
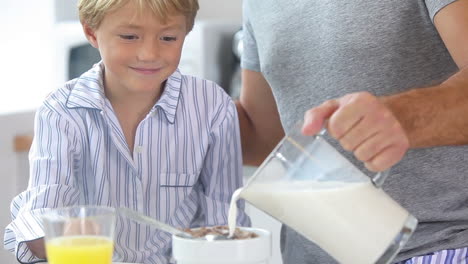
[220,9]
[25,48]
[209,9]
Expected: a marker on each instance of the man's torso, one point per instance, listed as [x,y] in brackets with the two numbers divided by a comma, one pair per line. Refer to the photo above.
[311,51]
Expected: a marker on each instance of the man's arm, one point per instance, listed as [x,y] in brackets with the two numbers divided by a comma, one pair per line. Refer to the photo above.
[452,24]
[437,115]
[380,130]
[259,120]
[434,116]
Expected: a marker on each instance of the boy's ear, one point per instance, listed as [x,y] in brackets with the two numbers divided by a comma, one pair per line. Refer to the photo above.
[90,35]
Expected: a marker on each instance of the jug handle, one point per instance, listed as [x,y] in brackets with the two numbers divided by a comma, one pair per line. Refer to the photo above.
[378,179]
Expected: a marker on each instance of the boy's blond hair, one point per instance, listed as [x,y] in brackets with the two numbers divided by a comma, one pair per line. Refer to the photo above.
[92,12]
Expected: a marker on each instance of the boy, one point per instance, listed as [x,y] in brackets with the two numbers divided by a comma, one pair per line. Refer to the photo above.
[132,132]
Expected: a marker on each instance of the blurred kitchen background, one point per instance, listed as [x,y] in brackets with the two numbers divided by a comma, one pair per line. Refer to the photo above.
[43,46]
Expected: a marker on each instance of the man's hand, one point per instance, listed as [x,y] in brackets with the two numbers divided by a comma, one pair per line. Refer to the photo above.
[363,125]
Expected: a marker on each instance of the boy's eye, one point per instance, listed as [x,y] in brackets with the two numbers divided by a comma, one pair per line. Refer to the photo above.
[167,38]
[128,37]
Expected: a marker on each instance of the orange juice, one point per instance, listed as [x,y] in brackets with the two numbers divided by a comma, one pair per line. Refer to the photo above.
[79,250]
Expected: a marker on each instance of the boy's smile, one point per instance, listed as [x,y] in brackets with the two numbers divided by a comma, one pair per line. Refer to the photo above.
[145,71]
[139,51]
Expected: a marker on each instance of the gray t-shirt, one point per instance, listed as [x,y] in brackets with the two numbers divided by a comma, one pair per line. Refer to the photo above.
[310,51]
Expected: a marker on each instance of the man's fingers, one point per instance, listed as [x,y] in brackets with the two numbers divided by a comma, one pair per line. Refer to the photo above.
[383,150]
[353,108]
[386,159]
[376,143]
[314,118]
[363,125]
[368,127]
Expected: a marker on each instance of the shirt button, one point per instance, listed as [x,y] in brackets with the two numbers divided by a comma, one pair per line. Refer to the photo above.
[139,149]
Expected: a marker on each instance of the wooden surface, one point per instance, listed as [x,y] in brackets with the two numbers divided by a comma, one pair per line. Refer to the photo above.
[22,143]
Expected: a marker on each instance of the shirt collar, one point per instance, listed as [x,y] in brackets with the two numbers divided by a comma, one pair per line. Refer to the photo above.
[170,97]
[88,92]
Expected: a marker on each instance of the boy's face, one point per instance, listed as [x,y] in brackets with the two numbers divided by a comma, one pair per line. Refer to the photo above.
[139,52]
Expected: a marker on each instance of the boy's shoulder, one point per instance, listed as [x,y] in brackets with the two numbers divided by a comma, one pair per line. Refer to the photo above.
[197,85]
[60,95]
[83,87]
[206,98]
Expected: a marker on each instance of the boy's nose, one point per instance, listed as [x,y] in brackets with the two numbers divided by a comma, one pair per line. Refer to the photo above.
[149,50]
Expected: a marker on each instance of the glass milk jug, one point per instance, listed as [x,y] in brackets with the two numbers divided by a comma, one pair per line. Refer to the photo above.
[308,185]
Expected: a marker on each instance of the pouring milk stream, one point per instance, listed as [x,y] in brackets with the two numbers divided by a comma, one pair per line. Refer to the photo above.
[309,186]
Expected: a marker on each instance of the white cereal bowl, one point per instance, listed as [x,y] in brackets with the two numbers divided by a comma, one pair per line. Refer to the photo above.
[246,251]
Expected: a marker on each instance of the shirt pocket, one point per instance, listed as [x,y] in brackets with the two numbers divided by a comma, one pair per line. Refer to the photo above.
[177,196]
[176,180]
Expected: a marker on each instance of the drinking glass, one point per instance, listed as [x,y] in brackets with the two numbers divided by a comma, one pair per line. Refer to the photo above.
[79,234]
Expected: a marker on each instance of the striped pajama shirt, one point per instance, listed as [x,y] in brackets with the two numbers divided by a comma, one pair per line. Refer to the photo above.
[184,167]
[449,256]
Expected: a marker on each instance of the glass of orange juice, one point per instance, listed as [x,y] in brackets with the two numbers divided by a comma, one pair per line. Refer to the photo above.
[79,234]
